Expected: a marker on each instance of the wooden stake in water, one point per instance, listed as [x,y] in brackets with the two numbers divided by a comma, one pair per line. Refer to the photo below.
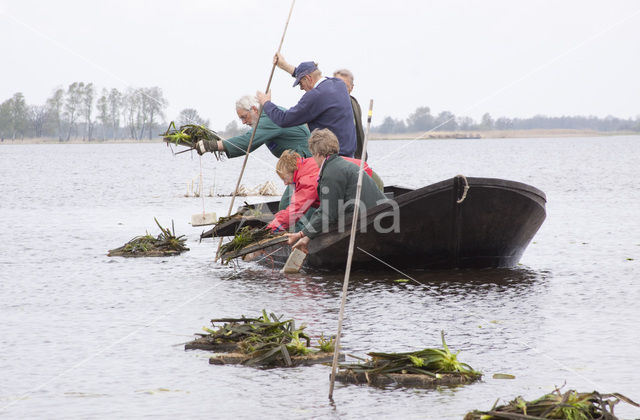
[352,239]
[255,126]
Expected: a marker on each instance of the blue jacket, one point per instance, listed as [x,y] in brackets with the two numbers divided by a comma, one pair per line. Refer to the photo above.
[328,105]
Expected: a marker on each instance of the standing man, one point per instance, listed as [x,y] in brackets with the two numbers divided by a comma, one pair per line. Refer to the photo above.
[276,138]
[347,77]
[326,104]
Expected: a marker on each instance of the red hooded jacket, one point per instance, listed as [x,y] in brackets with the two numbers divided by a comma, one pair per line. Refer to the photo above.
[305,195]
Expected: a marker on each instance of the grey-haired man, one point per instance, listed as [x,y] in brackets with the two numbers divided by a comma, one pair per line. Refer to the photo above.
[276,138]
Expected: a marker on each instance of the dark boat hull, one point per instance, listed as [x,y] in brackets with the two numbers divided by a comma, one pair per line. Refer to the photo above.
[491,227]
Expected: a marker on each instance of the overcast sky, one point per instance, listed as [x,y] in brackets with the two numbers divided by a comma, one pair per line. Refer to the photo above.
[509,58]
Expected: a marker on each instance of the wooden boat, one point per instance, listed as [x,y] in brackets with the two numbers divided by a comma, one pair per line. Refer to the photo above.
[438,226]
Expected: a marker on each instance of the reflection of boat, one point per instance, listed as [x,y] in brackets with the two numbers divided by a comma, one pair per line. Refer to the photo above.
[437,227]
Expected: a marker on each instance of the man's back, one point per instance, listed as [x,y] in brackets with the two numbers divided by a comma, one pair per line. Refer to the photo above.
[328,105]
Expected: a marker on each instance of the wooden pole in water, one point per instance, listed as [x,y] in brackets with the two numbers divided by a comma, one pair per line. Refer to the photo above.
[352,239]
[255,126]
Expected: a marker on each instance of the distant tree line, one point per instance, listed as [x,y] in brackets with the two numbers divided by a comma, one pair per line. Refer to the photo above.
[80,112]
[422,120]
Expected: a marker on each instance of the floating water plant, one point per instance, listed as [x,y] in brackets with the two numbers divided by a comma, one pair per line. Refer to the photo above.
[166,243]
[247,215]
[244,212]
[264,341]
[570,405]
[427,367]
[189,135]
[326,345]
[245,237]
[423,362]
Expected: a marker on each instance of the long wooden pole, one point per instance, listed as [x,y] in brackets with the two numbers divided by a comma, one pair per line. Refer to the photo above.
[255,126]
[352,239]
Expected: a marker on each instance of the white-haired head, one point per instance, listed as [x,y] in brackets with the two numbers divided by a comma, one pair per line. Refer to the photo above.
[247,109]
[346,76]
[247,102]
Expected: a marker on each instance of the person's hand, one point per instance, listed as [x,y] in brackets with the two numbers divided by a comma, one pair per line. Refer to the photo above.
[204,146]
[279,61]
[302,244]
[263,97]
[292,238]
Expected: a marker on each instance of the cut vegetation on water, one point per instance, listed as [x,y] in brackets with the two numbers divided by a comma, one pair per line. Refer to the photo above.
[249,239]
[265,341]
[570,405]
[423,368]
[165,244]
[230,225]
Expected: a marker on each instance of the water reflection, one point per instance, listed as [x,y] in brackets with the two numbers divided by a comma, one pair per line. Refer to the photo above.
[385,315]
[321,284]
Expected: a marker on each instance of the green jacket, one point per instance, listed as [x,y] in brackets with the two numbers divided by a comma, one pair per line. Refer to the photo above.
[276,138]
[357,120]
[337,185]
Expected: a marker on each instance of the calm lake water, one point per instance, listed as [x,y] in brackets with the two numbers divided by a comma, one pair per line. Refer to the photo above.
[88,336]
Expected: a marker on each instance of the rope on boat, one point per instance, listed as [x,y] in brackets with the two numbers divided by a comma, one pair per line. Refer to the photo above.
[466,188]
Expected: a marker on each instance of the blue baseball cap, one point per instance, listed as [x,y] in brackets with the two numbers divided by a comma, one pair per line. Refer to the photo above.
[304,68]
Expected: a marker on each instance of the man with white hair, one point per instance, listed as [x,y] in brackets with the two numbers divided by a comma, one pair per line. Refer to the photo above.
[277,139]
[325,104]
[347,77]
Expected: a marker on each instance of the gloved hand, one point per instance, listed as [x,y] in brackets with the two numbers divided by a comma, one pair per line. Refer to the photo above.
[204,146]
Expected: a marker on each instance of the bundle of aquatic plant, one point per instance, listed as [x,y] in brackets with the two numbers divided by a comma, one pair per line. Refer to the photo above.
[571,405]
[431,362]
[243,212]
[267,340]
[245,237]
[239,329]
[189,135]
[166,243]
[277,349]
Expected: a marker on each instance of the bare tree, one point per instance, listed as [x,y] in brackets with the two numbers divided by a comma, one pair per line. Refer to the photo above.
[86,108]
[103,112]
[55,105]
[115,105]
[465,123]
[191,116]
[73,98]
[445,121]
[420,120]
[157,105]
[142,112]
[487,122]
[233,129]
[131,113]
[5,119]
[18,112]
[38,116]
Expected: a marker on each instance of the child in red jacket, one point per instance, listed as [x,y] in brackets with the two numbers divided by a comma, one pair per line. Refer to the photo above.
[303,173]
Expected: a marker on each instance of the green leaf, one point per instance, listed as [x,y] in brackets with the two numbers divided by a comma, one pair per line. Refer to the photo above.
[503,376]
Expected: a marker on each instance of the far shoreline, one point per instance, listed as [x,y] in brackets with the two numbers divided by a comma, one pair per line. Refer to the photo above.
[500,134]
[429,135]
